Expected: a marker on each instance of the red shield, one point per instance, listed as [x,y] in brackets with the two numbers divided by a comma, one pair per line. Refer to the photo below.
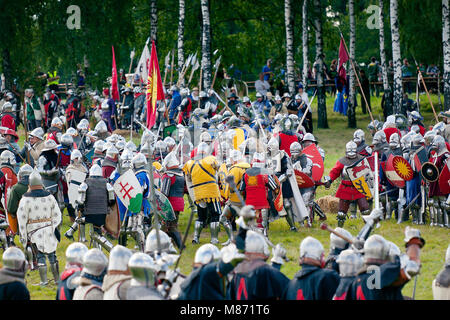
[10,181]
[278,202]
[402,168]
[420,157]
[444,179]
[303,180]
[313,153]
[392,175]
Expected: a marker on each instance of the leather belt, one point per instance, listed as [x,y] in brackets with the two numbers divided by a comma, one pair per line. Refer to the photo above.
[39,220]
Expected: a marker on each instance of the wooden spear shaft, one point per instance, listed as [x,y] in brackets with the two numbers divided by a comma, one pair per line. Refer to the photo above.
[428,94]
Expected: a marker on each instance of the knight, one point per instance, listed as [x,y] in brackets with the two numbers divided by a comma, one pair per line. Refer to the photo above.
[346,191]
[143,271]
[413,192]
[287,135]
[441,284]
[12,276]
[362,148]
[118,277]
[109,164]
[350,262]
[74,265]
[48,167]
[102,130]
[337,245]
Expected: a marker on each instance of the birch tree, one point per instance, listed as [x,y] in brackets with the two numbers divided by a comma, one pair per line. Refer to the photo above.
[383,63]
[153,20]
[396,57]
[305,41]
[289,23]
[180,41]
[206,45]
[351,113]
[321,99]
[446,45]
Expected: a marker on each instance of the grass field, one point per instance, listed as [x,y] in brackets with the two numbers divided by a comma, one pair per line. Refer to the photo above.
[333,141]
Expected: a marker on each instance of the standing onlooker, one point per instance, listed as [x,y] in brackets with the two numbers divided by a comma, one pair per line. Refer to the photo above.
[366,90]
[262,85]
[373,77]
[407,73]
[34,109]
[267,72]
[332,74]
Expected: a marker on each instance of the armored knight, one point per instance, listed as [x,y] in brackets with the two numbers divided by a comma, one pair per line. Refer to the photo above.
[98,152]
[201,172]
[287,136]
[102,130]
[350,262]
[12,276]
[413,190]
[360,140]
[117,279]
[109,164]
[173,186]
[441,284]
[89,283]
[38,217]
[143,271]
[337,245]
[346,191]
[437,199]
[95,195]
[74,265]
[48,167]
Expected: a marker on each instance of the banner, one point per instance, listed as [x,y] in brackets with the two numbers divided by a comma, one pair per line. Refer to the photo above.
[155,89]
[129,191]
[114,84]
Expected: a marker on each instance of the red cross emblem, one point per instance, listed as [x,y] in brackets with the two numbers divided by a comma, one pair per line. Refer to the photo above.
[126,193]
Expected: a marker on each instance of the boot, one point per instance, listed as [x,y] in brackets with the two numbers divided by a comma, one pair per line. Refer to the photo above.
[265,221]
[43,275]
[341,217]
[55,271]
[82,232]
[227,226]
[69,233]
[176,237]
[214,228]
[198,226]
[440,217]
[353,210]
[290,222]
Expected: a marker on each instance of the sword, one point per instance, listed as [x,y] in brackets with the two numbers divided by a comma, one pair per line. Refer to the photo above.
[413,200]
[307,110]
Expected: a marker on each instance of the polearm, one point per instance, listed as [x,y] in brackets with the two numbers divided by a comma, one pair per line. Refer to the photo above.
[167,65]
[224,103]
[25,126]
[307,110]
[184,69]
[195,66]
[171,67]
[426,90]
[217,64]
[357,77]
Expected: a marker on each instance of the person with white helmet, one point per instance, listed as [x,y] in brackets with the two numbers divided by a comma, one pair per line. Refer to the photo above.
[173,185]
[312,282]
[360,140]
[254,279]
[277,108]
[54,132]
[12,276]
[118,277]
[346,191]
[74,265]
[38,217]
[261,105]
[101,129]
[350,263]
[33,147]
[441,284]
[201,171]
[394,270]
[256,184]
[33,109]
[143,270]
[7,116]
[99,154]
[185,107]
[110,161]
[337,245]
[91,279]
[48,166]
[389,127]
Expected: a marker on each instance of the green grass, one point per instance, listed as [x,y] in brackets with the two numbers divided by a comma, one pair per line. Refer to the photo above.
[333,141]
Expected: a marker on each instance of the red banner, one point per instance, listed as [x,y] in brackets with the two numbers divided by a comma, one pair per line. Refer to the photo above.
[114,84]
[155,90]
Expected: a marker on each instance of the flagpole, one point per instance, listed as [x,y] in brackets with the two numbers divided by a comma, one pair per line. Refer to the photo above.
[357,77]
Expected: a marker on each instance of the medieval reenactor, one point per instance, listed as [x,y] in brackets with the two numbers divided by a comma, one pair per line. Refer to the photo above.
[287,136]
[54,132]
[38,217]
[109,111]
[72,109]
[118,278]
[51,104]
[346,191]
[413,186]
[8,118]
[143,270]
[12,276]
[185,107]
[89,284]
[312,282]
[441,284]
[47,165]
[127,108]
[109,163]
[350,262]
[337,245]
[74,265]
[34,146]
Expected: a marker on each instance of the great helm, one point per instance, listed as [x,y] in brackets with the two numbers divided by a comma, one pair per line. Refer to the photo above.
[295,149]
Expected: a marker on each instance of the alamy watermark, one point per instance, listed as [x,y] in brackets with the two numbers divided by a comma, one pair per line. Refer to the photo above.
[373,22]
[74,20]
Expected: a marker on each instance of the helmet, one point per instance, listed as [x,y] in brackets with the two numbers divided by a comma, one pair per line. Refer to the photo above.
[438,144]
[56,122]
[309,137]
[101,127]
[350,262]
[170,161]
[277,98]
[439,128]
[118,258]
[7,106]
[376,248]
[203,148]
[66,140]
[25,171]
[120,145]
[401,122]
[379,138]
[14,259]
[95,171]
[255,243]
[359,136]
[139,161]
[75,253]
[311,248]
[286,124]
[125,159]
[273,145]
[151,243]
[170,142]
[416,116]
[417,140]
[206,253]
[337,242]
[295,148]
[72,131]
[160,146]
[258,160]
[429,136]
[143,269]
[415,128]
[112,152]
[235,155]
[258,95]
[298,97]
[98,146]
[406,140]
[7,158]
[38,133]
[83,125]
[350,150]
[63,119]
[374,125]
[76,154]
[247,99]
[35,179]
[394,141]
[226,115]
[49,145]
[184,92]
[94,262]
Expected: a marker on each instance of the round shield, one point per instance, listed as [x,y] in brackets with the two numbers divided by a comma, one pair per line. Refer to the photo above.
[303,180]
[402,168]
[430,172]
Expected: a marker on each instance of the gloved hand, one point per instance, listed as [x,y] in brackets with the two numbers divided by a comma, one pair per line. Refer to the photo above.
[279,254]
[358,244]
[27,145]
[412,269]
[327,182]
[412,236]
[230,254]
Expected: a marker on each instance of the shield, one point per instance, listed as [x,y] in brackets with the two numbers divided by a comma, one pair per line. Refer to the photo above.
[129,191]
[362,177]
[278,198]
[402,168]
[303,180]
[88,156]
[312,152]
[444,179]
[429,172]
[239,137]
[420,157]
[165,210]
[76,179]
[10,181]
[222,174]
[112,221]
[392,175]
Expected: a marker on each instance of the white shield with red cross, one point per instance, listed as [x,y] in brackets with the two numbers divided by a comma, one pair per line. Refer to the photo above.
[129,191]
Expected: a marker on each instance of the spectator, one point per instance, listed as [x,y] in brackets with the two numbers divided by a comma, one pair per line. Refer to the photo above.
[332,76]
[407,73]
[261,85]
[373,77]
[366,89]
[267,72]
[433,70]
[391,71]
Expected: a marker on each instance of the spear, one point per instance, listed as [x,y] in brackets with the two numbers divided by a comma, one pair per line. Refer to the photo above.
[184,68]
[216,66]
[195,66]
[171,67]
[167,64]
[426,90]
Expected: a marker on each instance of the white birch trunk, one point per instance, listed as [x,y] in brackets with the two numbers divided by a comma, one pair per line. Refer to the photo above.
[305,41]
[289,21]
[180,40]
[396,57]
[206,45]
[446,46]
[153,20]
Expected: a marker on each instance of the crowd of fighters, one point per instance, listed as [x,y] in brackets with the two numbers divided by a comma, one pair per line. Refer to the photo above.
[238,170]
